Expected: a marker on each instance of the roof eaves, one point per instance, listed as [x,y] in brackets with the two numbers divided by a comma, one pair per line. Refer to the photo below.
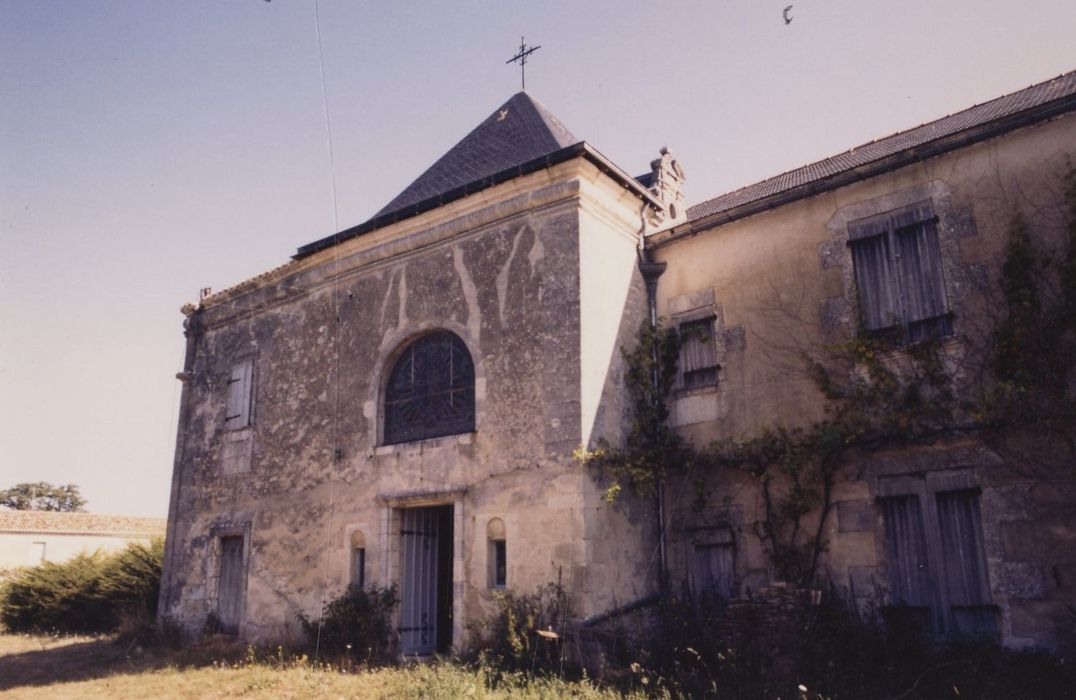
[908,156]
[534,165]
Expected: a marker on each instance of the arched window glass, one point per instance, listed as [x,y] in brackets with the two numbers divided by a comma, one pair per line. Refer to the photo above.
[430,391]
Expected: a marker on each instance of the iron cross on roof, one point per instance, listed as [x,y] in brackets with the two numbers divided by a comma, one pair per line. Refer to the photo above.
[521,57]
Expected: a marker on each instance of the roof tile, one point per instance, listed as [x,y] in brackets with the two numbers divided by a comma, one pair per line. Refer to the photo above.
[1061,87]
[81,523]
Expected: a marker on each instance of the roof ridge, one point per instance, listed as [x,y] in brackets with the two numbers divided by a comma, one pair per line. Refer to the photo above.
[518,131]
[977,115]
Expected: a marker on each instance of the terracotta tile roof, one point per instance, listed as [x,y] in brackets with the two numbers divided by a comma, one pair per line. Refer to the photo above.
[78,523]
[1060,88]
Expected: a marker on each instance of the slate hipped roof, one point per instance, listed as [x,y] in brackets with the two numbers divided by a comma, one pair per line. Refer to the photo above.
[520,137]
[982,121]
[520,130]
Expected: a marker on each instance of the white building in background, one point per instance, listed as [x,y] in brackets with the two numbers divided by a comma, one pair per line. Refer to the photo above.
[30,537]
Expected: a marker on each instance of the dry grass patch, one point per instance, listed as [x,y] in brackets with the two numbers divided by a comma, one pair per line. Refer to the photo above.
[78,667]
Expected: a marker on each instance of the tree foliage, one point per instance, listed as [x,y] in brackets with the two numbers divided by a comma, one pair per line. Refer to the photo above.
[42,495]
[88,594]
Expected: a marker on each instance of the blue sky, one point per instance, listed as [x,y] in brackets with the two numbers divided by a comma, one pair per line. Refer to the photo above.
[149,149]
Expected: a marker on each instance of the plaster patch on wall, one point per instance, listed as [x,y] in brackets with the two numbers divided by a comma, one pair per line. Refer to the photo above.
[502,275]
[470,294]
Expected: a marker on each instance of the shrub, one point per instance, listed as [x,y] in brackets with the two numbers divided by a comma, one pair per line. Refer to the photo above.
[88,594]
[528,631]
[356,626]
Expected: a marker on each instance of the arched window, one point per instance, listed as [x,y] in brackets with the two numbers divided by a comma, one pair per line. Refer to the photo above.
[430,391]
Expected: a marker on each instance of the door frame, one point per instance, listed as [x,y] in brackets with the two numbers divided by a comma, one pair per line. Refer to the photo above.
[391,554]
[213,564]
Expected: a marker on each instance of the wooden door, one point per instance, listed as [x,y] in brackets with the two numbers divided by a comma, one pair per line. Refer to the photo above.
[230,594]
[418,605]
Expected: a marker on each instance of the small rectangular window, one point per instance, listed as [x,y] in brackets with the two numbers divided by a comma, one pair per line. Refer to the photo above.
[240,385]
[898,271]
[713,573]
[358,567]
[36,554]
[498,564]
[698,353]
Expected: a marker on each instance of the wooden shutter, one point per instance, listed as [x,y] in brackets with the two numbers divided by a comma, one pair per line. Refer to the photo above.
[967,590]
[240,385]
[418,603]
[714,571]
[230,591]
[875,281]
[698,353]
[910,581]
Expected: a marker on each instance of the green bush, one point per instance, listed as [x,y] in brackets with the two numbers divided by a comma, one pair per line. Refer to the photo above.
[88,594]
[528,632]
[356,626]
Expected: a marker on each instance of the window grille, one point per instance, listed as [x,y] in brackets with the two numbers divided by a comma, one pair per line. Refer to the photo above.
[430,390]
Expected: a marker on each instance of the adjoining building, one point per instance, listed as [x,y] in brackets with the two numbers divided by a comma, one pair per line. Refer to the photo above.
[30,537]
[403,402]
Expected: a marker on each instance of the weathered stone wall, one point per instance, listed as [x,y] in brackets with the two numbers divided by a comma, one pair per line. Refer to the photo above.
[782,281]
[501,270]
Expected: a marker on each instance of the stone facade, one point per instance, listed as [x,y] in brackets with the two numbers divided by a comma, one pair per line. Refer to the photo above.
[786,276]
[286,490]
[538,279]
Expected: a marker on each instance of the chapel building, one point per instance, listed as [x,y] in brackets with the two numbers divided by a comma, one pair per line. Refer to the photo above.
[405,401]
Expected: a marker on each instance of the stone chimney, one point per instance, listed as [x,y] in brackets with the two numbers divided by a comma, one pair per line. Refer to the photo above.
[667,183]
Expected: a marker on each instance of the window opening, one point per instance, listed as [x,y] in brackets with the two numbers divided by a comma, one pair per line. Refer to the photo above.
[426,536]
[430,391]
[698,353]
[358,559]
[898,271]
[497,553]
[240,383]
[230,586]
[937,567]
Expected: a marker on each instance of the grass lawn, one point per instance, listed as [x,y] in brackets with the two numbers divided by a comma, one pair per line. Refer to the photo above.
[78,667]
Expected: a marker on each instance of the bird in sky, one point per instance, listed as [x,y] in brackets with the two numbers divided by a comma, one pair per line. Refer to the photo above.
[788,17]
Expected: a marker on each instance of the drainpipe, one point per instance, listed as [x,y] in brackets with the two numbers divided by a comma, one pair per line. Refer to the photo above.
[651,271]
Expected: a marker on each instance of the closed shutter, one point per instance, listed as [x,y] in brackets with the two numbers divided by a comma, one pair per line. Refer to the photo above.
[698,353]
[714,572]
[922,284]
[230,591]
[966,585]
[875,282]
[910,584]
[240,384]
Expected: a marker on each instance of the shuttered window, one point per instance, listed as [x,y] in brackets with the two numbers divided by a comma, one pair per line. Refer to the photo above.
[937,568]
[898,272]
[698,353]
[240,386]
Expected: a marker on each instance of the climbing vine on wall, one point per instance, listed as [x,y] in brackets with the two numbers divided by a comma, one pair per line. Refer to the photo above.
[651,447]
[880,393]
